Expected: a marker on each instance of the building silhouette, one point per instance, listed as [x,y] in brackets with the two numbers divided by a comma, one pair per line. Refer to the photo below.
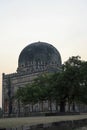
[35,59]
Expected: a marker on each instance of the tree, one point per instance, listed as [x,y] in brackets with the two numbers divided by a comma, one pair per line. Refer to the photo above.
[83,89]
[44,84]
[1,113]
[67,83]
[59,90]
[73,79]
[20,94]
[28,94]
[32,94]
[68,86]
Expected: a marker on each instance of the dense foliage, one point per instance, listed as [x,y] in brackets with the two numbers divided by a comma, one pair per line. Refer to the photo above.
[67,86]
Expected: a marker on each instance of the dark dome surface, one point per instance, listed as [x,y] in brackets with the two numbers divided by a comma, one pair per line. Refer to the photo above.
[39,52]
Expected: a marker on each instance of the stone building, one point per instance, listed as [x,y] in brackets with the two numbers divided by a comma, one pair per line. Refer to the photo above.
[34,59]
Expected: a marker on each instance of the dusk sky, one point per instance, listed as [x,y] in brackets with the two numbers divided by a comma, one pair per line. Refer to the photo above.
[62,23]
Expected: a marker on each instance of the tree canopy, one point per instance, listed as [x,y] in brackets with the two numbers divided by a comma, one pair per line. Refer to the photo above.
[69,85]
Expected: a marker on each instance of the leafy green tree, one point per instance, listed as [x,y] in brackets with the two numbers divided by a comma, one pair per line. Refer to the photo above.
[28,94]
[1,113]
[72,77]
[59,91]
[83,88]
[69,85]
[20,94]
[43,82]
[32,94]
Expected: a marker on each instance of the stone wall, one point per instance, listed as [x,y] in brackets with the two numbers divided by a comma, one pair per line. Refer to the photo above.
[10,84]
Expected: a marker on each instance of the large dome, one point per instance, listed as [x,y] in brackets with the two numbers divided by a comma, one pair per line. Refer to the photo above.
[39,53]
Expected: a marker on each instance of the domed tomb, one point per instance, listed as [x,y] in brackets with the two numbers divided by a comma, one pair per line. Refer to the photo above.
[39,56]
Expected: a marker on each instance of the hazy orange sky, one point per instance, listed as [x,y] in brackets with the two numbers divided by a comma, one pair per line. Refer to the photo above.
[62,23]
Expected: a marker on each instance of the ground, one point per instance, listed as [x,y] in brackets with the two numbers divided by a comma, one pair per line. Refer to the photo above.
[15,122]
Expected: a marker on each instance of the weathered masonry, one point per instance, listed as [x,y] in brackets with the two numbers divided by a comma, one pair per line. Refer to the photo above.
[35,59]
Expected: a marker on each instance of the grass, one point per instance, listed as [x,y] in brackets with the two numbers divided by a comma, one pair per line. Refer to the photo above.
[15,122]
